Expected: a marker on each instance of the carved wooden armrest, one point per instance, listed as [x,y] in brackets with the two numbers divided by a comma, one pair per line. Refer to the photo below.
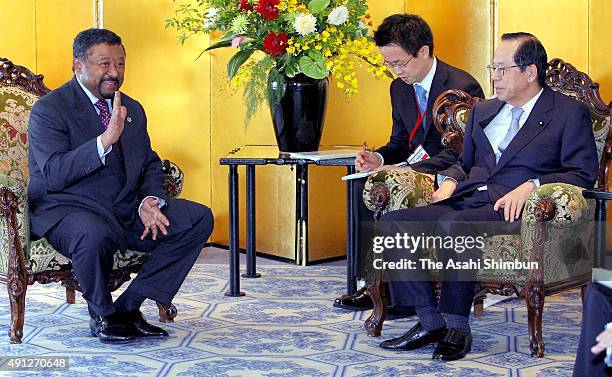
[174,178]
[560,204]
[390,190]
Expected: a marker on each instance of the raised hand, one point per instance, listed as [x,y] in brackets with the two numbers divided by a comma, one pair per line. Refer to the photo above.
[116,123]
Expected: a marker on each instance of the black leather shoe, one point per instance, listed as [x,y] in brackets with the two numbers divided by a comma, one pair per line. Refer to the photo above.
[356,302]
[453,346]
[110,329]
[140,326]
[416,337]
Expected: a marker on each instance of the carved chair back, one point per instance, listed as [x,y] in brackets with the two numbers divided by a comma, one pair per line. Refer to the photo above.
[19,90]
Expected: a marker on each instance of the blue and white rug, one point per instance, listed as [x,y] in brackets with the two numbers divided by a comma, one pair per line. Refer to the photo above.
[285,326]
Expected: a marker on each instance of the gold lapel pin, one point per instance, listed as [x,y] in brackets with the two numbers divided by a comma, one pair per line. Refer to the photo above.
[129,119]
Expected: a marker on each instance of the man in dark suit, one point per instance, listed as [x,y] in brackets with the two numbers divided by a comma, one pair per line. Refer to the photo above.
[527,136]
[596,316]
[96,186]
[406,42]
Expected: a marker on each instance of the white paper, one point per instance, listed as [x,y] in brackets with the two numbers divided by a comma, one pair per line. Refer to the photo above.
[325,155]
[367,173]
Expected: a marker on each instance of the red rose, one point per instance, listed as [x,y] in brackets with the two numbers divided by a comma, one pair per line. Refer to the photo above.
[245,5]
[268,9]
[275,44]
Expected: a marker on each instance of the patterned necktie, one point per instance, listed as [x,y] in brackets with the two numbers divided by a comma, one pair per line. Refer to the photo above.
[105,115]
[421,94]
[512,130]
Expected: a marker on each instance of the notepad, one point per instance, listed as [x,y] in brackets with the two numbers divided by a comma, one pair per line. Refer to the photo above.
[367,173]
[325,155]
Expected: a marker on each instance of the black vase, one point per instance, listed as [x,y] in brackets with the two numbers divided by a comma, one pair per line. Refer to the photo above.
[298,118]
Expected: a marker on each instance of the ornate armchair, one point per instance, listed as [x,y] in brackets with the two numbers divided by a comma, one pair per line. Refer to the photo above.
[22,260]
[556,221]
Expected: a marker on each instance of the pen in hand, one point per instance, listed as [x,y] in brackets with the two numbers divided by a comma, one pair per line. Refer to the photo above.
[360,160]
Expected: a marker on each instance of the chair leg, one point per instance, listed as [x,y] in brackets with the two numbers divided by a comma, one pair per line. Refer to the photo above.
[374,289]
[167,313]
[479,305]
[17,295]
[582,293]
[534,298]
[70,296]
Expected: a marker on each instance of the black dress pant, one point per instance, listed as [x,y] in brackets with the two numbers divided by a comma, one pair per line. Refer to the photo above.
[455,296]
[88,241]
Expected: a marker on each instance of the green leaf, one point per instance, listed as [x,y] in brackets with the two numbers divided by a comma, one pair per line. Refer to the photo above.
[318,6]
[313,66]
[236,61]
[221,43]
[290,18]
[275,88]
[290,70]
[228,35]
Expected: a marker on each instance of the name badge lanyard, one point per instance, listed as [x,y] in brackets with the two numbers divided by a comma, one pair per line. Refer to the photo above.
[419,120]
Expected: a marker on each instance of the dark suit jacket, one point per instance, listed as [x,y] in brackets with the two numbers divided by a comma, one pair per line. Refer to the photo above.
[64,162]
[405,113]
[555,144]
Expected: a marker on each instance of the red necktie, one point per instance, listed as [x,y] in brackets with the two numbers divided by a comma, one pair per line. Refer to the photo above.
[105,115]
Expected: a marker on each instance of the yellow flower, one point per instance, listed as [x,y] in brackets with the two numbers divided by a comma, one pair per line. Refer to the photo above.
[342,51]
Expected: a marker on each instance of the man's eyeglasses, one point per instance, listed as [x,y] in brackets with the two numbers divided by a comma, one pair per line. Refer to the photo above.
[401,65]
[492,69]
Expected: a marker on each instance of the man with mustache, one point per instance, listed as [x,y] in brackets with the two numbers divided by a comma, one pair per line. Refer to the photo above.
[96,186]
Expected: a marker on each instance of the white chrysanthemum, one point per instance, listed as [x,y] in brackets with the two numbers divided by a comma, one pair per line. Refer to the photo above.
[338,16]
[211,17]
[305,24]
[239,24]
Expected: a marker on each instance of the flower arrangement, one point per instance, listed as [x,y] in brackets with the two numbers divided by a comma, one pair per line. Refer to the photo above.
[278,38]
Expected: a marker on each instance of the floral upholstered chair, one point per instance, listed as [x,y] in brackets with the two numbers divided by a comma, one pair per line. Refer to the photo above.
[22,260]
[556,221]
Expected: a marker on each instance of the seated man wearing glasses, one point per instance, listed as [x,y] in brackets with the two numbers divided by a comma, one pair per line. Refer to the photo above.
[406,42]
[527,136]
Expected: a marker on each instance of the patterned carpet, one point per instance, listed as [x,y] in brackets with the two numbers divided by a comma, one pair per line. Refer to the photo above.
[285,326]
